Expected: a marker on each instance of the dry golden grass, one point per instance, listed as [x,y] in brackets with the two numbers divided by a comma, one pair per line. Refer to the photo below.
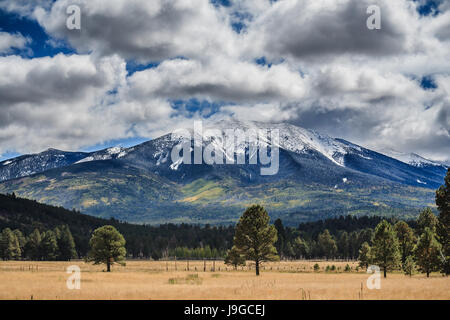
[159,280]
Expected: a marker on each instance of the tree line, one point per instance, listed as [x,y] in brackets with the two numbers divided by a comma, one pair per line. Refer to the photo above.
[427,248]
[56,244]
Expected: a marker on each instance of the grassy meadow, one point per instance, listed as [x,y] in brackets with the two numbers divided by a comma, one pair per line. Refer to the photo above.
[155,280]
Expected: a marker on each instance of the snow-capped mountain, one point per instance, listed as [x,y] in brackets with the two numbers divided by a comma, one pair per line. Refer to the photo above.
[319,176]
[410,158]
[296,145]
[34,163]
[30,164]
[155,154]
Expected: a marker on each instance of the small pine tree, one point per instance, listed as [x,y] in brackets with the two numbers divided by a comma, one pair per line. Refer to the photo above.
[365,257]
[406,239]
[234,258]
[255,238]
[427,252]
[385,249]
[301,248]
[409,266]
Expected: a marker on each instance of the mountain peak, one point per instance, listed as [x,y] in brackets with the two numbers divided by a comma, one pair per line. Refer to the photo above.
[410,158]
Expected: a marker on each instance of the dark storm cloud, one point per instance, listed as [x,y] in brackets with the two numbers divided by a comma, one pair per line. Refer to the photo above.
[333,31]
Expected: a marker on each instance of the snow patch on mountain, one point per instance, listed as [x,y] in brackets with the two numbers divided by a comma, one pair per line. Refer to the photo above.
[107,154]
[409,158]
[291,138]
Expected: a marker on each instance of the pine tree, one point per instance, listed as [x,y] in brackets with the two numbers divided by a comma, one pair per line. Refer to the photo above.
[107,246]
[427,252]
[327,244]
[255,238]
[406,239]
[9,245]
[281,237]
[22,240]
[301,248]
[66,244]
[426,219]
[234,258]
[33,245]
[365,258]
[343,245]
[443,229]
[385,249]
[49,246]
[409,266]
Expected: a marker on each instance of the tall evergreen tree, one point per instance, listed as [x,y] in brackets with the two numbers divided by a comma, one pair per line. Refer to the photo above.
[327,244]
[354,244]
[365,257]
[385,249]
[406,239]
[21,238]
[443,229]
[281,237]
[255,238]
[66,244]
[344,245]
[49,246]
[427,252]
[33,245]
[426,219]
[9,245]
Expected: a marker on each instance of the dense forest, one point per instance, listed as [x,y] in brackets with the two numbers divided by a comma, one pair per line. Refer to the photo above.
[31,221]
[142,241]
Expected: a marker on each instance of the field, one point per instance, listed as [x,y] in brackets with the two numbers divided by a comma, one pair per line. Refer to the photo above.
[159,280]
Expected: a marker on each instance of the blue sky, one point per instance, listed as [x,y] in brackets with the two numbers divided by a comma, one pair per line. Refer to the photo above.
[244,59]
